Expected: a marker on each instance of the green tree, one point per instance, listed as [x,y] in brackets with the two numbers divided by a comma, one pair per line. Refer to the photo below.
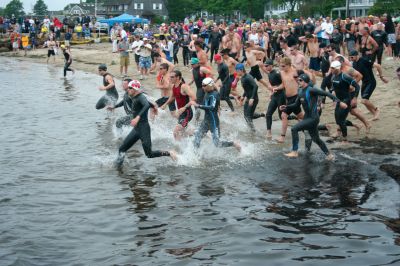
[250,8]
[179,9]
[385,6]
[14,7]
[1,11]
[40,8]
[319,7]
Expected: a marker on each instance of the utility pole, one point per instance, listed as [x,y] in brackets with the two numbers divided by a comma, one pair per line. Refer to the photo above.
[95,8]
[347,8]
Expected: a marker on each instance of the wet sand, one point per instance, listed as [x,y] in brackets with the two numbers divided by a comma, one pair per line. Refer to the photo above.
[386,96]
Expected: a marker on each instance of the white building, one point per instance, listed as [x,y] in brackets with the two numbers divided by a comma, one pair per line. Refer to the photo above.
[271,10]
[357,8]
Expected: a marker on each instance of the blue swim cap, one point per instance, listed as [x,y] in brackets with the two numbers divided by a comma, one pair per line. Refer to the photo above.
[239,67]
[194,61]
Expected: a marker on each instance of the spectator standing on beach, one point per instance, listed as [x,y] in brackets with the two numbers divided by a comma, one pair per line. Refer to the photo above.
[114,37]
[87,34]
[145,58]
[135,48]
[123,47]
[327,30]
[78,30]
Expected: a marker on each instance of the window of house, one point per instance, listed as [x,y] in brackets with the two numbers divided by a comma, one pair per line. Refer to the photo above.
[126,7]
[120,7]
[157,6]
[138,6]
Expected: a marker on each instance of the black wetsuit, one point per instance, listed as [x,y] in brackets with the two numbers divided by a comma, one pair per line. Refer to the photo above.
[364,50]
[185,52]
[214,40]
[111,96]
[365,66]
[198,79]
[211,121]
[325,65]
[308,98]
[341,85]
[381,38]
[140,107]
[126,102]
[223,75]
[250,91]
[277,99]
[68,63]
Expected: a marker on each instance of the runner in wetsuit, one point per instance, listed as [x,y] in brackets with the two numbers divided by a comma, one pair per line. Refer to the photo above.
[211,119]
[223,75]
[68,60]
[250,96]
[278,94]
[126,102]
[182,94]
[111,96]
[141,127]
[365,66]
[341,86]
[199,73]
[308,98]
[368,46]
[381,38]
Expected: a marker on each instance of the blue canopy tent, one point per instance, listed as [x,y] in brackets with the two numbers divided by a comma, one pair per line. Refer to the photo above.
[124,18]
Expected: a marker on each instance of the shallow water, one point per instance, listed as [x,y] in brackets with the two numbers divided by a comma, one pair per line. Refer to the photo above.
[62,203]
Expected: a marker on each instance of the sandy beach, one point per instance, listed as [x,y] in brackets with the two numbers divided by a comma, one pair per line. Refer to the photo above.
[384,131]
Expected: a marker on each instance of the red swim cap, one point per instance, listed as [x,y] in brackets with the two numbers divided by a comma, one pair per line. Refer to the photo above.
[217,57]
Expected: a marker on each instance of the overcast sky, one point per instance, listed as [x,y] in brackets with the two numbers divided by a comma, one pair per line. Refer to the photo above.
[52,5]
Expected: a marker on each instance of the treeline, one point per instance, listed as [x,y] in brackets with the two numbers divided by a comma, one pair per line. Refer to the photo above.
[179,9]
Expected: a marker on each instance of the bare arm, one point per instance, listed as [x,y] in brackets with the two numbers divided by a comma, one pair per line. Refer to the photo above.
[206,71]
[189,92]
[110,81]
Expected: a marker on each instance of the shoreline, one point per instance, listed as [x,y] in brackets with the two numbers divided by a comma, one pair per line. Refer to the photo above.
[385,130]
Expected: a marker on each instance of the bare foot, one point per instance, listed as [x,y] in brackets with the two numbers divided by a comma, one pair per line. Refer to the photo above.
[344,142]
[337,134]
[367,128]
[292,154]
[237,145]
[281,139]
[358,128]
[376,115]
[173,155]
[268,136]
[330,157]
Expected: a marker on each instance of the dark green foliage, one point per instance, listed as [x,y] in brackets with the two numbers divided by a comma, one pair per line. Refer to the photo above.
[380,7]
[40,8]
[14,7]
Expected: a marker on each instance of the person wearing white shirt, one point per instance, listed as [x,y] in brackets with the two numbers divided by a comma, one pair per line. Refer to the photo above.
[169,49]
[46,21]
[135,48]
[145,58]
[123,33]
[327,30]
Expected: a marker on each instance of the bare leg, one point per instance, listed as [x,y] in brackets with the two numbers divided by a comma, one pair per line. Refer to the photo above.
[372,108]
[356,112]
[284,117]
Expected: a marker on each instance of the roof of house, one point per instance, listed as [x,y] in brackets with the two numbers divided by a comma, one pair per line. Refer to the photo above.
[116,2]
